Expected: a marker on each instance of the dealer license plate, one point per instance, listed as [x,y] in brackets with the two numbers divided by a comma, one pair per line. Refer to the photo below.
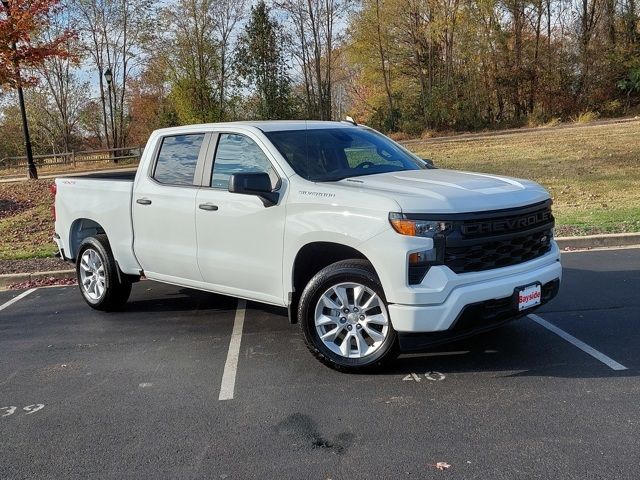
[529,296]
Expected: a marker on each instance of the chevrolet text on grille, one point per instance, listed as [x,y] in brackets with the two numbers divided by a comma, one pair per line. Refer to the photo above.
[506,224]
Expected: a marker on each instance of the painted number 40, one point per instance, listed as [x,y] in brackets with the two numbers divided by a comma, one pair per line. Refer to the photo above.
[431,376]
[29,409]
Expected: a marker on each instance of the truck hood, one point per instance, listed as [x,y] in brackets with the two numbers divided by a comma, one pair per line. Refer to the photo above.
[450,191]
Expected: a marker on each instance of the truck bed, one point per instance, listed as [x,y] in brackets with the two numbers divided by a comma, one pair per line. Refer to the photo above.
[101,202]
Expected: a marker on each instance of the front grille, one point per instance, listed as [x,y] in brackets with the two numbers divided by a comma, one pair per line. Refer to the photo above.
[499,239]
[498,253]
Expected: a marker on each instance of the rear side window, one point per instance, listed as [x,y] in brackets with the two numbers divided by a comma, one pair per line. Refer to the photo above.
[239,154]
[178,158]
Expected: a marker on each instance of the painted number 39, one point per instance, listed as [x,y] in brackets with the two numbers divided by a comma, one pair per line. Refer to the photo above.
[29,409]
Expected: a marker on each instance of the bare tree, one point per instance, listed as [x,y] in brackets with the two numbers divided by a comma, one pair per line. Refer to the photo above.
[317,38]
[588,14]
[114,33]
[227,14]
[64,95]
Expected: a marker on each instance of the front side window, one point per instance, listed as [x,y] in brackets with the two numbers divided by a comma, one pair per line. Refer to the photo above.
[332,154]
[178,158]
[238,154]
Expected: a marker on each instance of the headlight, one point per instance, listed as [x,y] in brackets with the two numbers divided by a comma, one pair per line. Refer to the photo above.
[417,228]
[418,263]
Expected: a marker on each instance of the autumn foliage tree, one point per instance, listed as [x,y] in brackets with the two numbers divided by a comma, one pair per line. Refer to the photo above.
[23,50]
[467,65]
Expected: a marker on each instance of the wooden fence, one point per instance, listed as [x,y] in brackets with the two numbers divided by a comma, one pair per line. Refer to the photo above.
[115,155]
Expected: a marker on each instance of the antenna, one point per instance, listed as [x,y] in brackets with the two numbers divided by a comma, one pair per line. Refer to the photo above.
[350,120]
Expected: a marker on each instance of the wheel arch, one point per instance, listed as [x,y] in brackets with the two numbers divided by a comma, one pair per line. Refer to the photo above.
[81,229]
[309,260]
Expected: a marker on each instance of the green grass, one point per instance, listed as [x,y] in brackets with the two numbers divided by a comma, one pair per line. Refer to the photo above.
[592,172]
[620,220]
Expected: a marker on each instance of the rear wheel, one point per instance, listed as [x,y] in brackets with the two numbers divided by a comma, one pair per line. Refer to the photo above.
[344,318]
[102,285]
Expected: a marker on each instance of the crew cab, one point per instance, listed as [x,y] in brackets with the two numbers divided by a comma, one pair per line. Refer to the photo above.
[372,249]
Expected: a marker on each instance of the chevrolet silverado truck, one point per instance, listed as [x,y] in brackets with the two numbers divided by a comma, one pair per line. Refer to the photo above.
[373,250]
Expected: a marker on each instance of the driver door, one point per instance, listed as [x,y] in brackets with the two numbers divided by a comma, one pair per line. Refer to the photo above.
[240,241]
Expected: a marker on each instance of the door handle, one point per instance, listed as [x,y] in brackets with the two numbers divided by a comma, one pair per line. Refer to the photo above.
[143,201]
[207,206]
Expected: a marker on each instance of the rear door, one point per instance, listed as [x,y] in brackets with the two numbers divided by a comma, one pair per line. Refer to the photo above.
[164,209]
[240,241]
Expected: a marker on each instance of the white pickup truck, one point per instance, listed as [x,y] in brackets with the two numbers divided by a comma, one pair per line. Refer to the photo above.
[372,249]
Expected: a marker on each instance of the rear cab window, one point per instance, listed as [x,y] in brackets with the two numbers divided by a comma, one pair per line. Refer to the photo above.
[177,159]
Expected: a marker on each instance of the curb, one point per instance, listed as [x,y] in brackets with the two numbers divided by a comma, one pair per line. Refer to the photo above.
[599,241]
[13,278]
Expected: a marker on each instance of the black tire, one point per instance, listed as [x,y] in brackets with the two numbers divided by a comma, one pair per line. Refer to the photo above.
[355,271]
[117,285]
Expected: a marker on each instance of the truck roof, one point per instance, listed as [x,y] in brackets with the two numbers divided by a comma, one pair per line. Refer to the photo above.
[272,125]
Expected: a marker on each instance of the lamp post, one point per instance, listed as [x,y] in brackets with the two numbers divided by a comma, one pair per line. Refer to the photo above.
[31,169]
[108,76]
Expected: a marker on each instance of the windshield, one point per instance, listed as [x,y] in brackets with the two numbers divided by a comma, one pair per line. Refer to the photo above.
[331,154]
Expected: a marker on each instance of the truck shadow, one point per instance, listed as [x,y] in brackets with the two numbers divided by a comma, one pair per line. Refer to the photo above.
[155,297]
[509,351]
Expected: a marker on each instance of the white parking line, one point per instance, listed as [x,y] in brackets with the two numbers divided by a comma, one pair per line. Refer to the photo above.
[17,298]
[609,362]
[231,365]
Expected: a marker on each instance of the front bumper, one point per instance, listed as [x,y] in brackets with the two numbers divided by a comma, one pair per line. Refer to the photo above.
[443,316]
[474,319]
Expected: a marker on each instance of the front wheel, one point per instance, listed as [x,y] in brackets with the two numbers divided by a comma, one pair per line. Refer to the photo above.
[344,318]
[102,285]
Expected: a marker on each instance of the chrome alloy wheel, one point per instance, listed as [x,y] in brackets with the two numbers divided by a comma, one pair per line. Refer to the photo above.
[92,275]
[351,320]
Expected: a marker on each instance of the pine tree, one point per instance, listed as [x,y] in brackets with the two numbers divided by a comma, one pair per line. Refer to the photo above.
[261,62]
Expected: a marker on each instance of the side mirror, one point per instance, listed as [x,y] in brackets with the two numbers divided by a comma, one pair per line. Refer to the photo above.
[257,184]
[429,162]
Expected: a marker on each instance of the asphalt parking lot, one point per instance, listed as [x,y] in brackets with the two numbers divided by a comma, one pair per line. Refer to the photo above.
[137,394]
